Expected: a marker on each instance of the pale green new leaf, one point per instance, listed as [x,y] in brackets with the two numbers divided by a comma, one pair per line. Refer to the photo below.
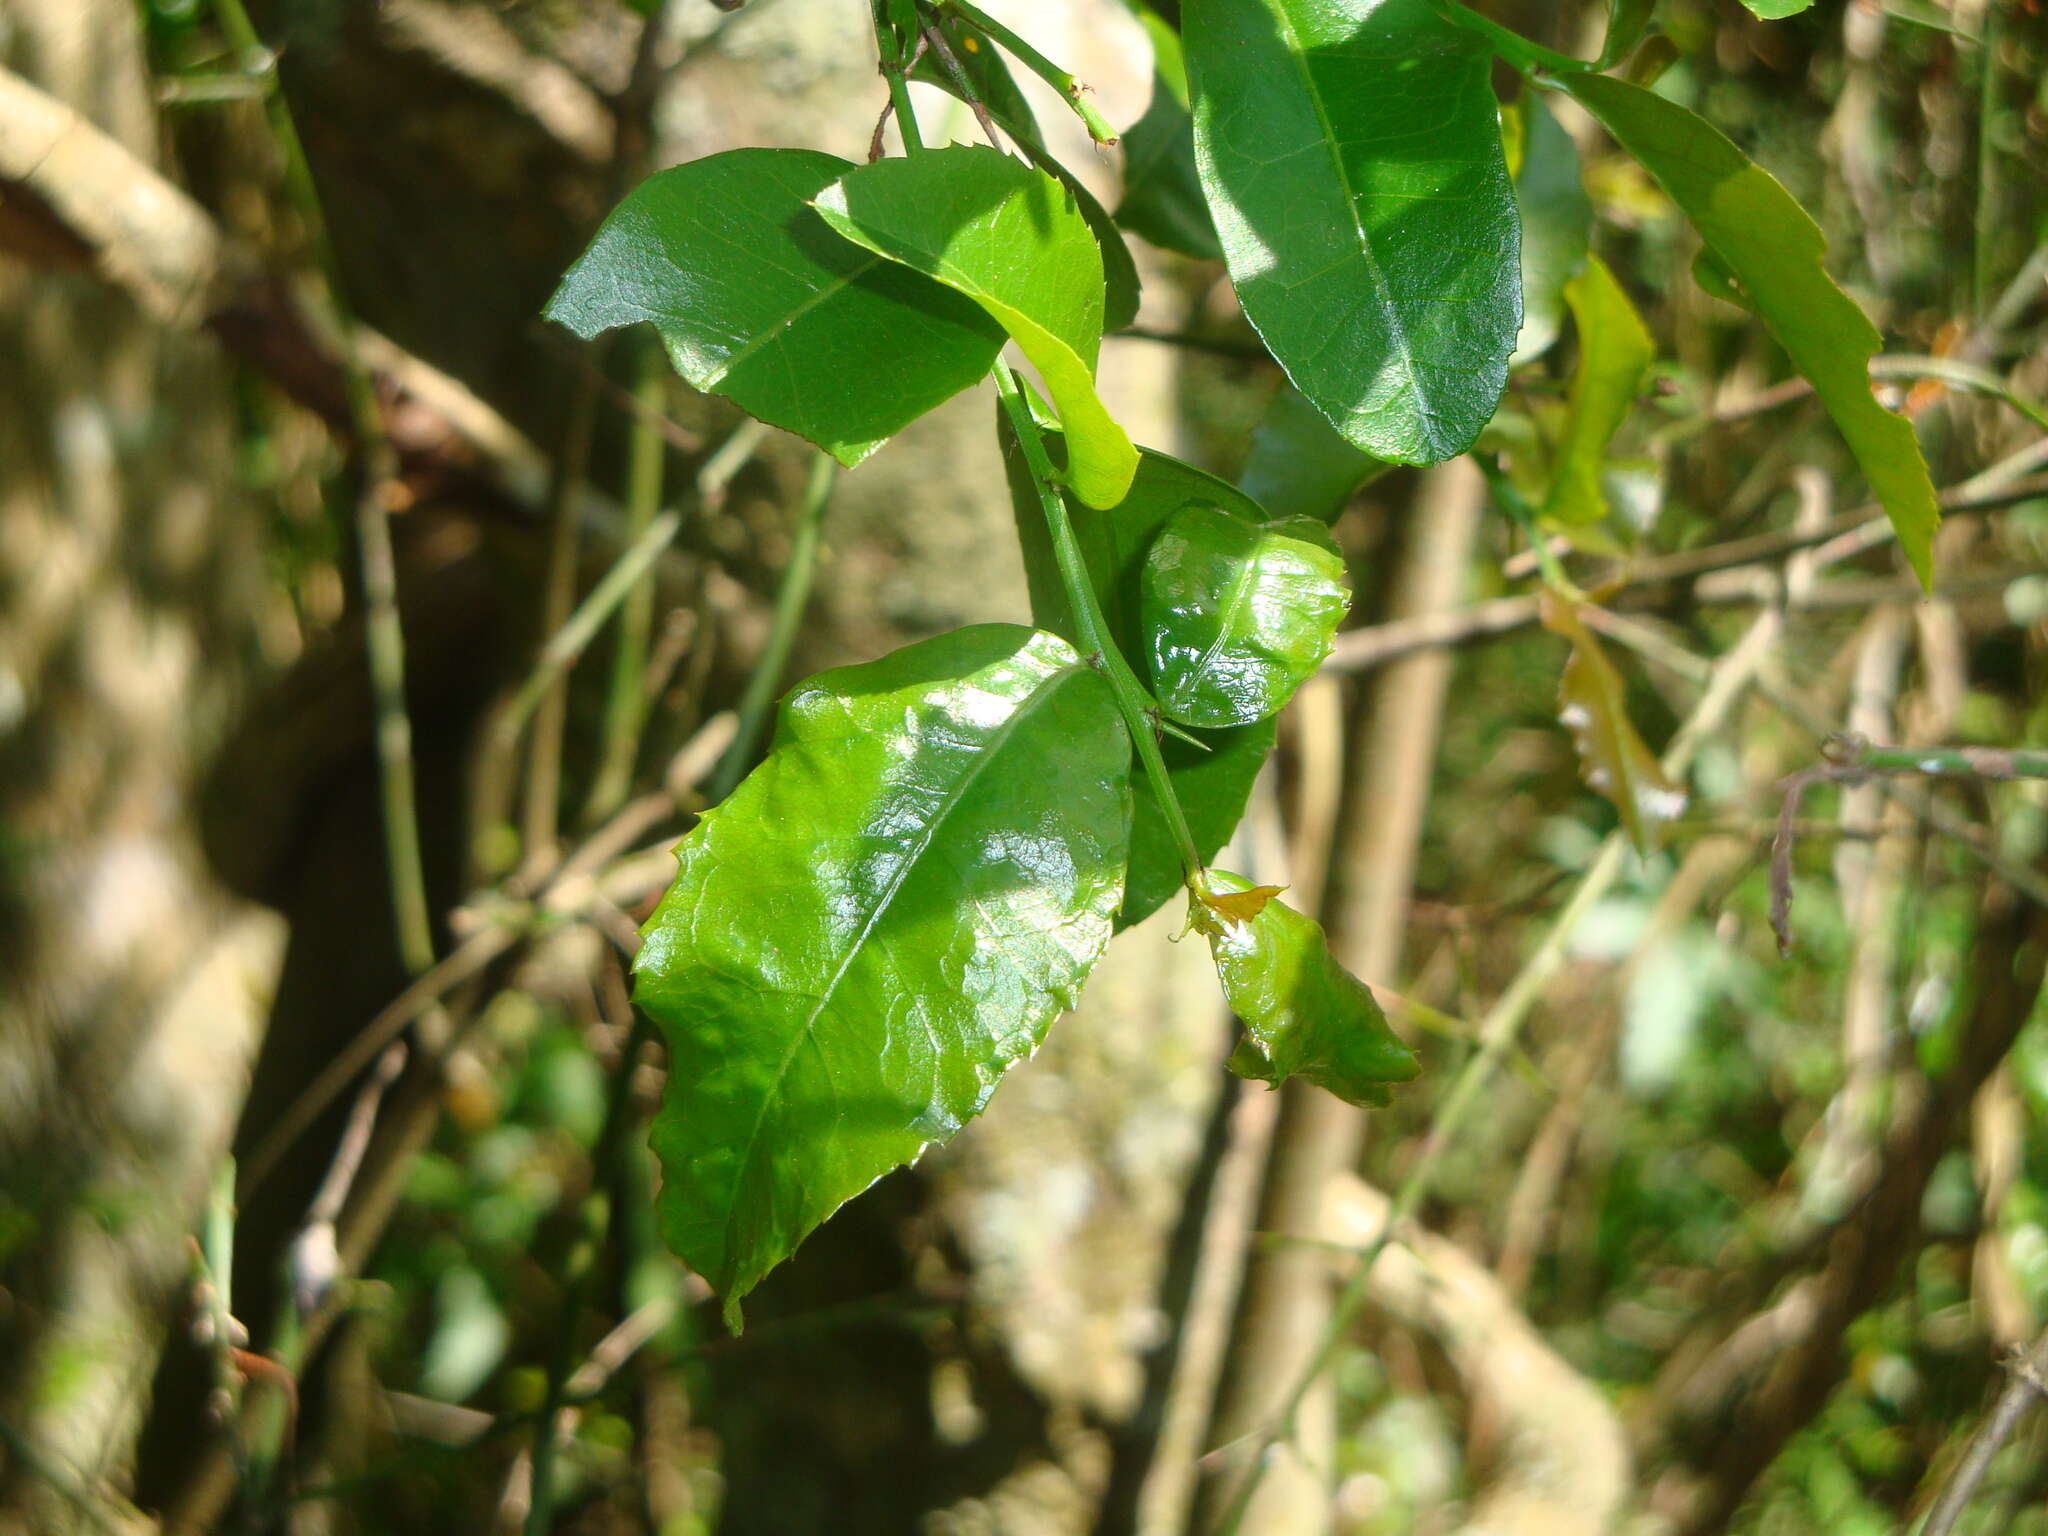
[1557,224]
[1614,353]
[1351,155]
[756,299]
[988,76]
[874,927]
[1766,241]
[1777,10]
[1212,778]
[1304,1014]
[1012,239]
[1238,613]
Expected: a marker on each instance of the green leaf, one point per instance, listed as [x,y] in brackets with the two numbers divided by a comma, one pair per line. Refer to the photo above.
[1212,785]
[1765,240]
[1522,52]
[1615,351]
[1162,189]
[1777,10]
[1304,1014]
[1013,240]
[1557,224]
[1212,781]
[878,923]
[1351,154]
[1626,21]
[756,299]
[1592,703]
[1114,541]
[990,78]
[1299,465]
[1238,613]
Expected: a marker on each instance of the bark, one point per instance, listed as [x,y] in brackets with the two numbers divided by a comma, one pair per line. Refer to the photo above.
[134,983]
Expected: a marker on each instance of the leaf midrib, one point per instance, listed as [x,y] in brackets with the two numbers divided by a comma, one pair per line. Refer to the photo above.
[1239,588]
[1295,52]
[805,1031]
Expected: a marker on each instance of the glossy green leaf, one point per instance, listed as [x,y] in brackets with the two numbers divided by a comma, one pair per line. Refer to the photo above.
[877,924]
[1238,613]
[1592,703]
[1761,235]
[989,77]
[1299,466]
[1114,541]
[1777,10]
[1615,351]
[1304,1014]
[1351,154]
[1212,781]
[758,300]
[1212,785]
[1162,189]
[1012,239]
[1557,224]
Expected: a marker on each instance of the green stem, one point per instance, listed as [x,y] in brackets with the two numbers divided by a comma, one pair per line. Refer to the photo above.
[790,600]
[626,707]
[1987,164]
[384,638]
[1511,501]
[567,643]
[896,45]
[1073,90]
[1093,629]
[543,789]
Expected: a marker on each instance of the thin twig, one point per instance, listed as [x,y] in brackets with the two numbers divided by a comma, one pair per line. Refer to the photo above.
[1852,760]
[585,1262]
[626,708]
[951,62]
[790,600]
[1071,90]
[2029,1382]
[543,788]
[1839,538]
[383,633]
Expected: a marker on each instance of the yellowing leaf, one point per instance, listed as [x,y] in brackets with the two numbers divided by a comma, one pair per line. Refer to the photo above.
[1239,907]
[1592,702]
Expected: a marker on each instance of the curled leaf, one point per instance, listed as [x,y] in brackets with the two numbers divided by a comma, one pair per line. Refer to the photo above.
[1614,353]
[1238,613]
[1012,239]
[1592,703]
